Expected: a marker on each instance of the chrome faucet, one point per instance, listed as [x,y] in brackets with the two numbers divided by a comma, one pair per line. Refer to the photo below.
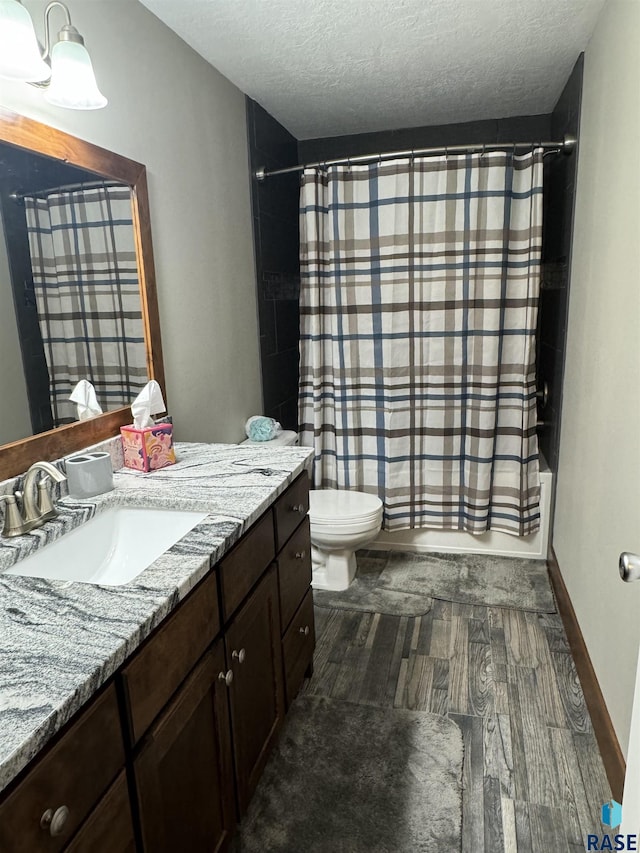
[36,509]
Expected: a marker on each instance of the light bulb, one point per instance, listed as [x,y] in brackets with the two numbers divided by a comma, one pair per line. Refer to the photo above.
[73,83]
[20,57]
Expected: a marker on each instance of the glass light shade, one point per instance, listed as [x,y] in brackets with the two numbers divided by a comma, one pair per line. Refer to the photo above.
[19,52]
[73,83]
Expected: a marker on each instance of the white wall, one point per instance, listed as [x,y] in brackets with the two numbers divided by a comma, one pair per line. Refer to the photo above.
[598,500]
[172,111]
[15,422]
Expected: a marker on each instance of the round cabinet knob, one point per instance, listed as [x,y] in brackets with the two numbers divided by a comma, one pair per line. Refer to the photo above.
[300,555]
[227,677]
[306,630]
[239,656]
[298,508]
[629,566]
[54,821]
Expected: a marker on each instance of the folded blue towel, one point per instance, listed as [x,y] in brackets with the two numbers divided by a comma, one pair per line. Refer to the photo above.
[259,428]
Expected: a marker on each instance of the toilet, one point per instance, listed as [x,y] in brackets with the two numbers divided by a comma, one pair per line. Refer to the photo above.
[341,521]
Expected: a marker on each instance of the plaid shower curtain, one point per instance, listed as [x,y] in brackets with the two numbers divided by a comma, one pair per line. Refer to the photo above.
[85,276]
[419,298]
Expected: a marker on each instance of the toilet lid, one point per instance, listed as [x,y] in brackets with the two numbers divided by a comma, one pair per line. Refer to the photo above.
[340,505]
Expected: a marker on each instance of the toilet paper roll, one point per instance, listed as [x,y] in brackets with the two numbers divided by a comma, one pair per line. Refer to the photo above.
[89,474]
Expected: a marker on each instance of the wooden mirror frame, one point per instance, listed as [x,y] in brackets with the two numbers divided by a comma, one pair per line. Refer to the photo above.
[16,457]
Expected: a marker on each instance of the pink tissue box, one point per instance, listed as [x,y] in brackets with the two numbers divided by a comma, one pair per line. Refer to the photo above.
[149,448]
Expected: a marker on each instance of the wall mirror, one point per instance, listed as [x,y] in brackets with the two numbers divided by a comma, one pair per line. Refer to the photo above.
[77,290]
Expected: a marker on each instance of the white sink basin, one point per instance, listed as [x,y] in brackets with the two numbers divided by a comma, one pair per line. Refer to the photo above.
[112,548]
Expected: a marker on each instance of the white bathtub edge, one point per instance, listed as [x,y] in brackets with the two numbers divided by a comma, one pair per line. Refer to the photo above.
[425,540]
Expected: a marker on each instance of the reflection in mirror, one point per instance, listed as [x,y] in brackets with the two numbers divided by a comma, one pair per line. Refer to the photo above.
[89,163]
[70,303]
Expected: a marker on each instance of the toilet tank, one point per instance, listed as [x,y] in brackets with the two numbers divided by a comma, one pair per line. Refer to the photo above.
[286,437]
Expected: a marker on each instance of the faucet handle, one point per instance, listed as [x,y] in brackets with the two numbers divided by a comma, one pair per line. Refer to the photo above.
[13,521]
[30,512]
[46,509]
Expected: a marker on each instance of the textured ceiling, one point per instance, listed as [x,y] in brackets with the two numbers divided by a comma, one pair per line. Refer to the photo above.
[331,67]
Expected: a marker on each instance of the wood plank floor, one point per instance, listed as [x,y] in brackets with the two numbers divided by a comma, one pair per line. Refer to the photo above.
[533,777]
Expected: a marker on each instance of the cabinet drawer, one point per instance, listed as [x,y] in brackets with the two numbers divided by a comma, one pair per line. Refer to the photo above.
[157,670]
[297,647]
[74,773]
[294,572]
[291,508]
[109,828]
[244,565]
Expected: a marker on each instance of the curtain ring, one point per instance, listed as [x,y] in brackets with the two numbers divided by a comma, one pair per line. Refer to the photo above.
[349,165]
[484,148]
[446,154]
[413,157]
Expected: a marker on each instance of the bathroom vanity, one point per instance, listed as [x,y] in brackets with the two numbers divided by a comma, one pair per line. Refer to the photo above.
[154,740]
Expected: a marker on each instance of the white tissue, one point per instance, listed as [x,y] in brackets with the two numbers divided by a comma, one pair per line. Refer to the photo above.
[148,402]
[84,395]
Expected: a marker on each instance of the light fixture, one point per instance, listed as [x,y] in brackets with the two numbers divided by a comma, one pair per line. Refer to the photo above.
[19,50]
[64,70]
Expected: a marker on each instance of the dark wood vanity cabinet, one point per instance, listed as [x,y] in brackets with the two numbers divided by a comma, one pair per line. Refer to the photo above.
[168,754]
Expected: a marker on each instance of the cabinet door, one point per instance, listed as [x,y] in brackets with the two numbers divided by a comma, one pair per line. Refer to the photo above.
[183,773]
[256,693]
[294,572]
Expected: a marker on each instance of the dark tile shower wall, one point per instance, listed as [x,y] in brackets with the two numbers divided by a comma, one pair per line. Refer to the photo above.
[517,129]
[34,362]
[554,294]
[276,238]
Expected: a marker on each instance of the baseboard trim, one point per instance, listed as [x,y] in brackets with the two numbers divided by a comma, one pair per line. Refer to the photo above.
[612,757]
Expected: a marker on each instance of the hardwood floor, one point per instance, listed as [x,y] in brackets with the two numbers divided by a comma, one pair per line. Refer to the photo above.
[533,777]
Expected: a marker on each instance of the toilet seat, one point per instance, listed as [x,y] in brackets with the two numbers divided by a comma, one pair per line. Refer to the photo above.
[337,508]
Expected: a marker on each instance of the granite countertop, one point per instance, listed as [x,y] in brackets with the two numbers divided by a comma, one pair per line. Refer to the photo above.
[60,641]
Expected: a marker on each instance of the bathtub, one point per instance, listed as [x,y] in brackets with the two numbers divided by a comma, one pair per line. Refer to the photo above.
[533,546]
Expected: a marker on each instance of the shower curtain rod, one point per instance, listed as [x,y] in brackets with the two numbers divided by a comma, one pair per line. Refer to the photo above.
[67,188]
[566,146]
